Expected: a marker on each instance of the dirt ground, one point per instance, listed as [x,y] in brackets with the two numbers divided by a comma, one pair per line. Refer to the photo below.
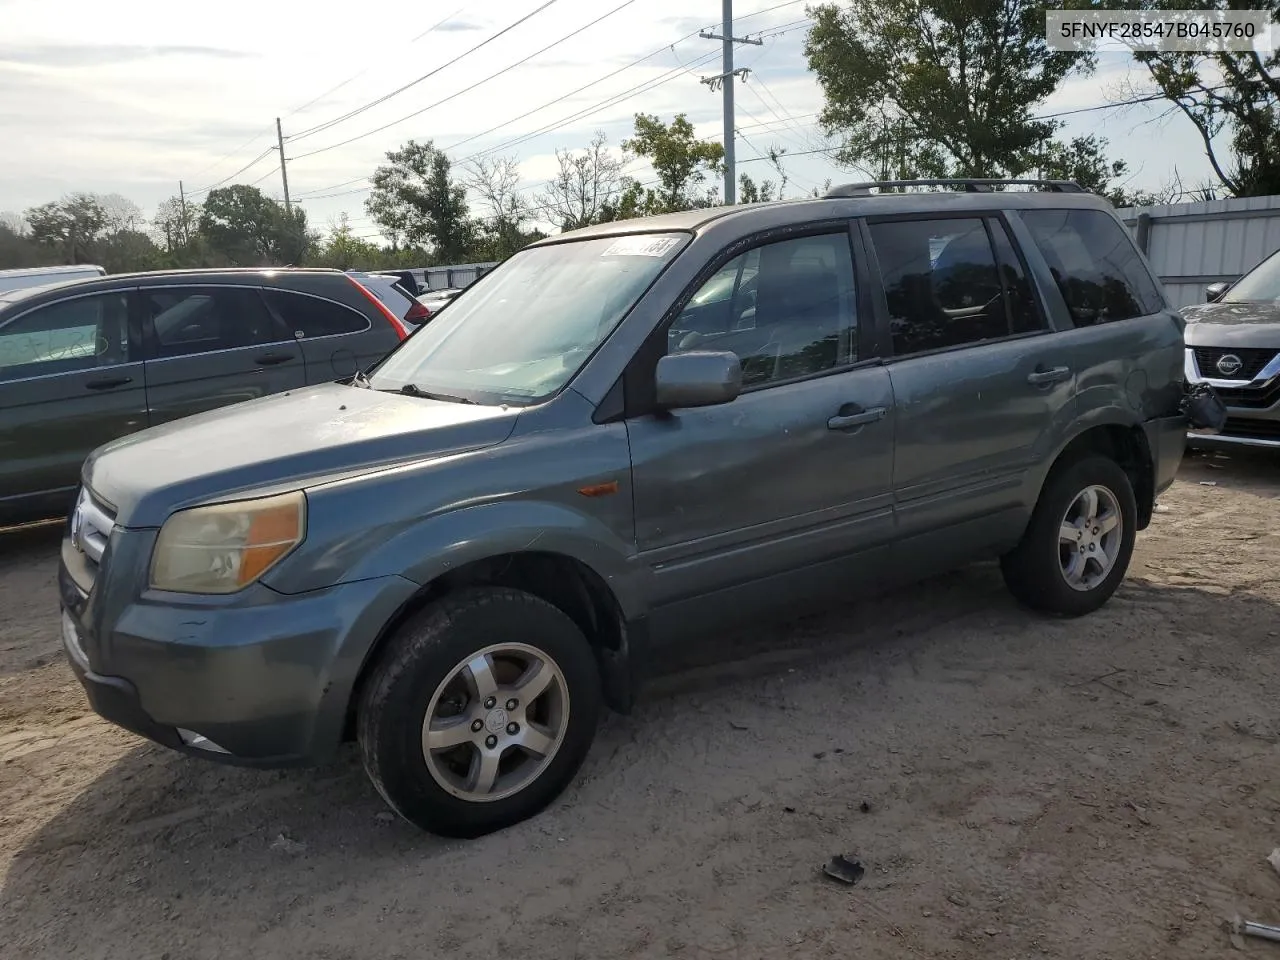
[1102,788]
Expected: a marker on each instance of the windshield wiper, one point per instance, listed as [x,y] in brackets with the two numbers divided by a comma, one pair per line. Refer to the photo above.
[413,390]
[360,380]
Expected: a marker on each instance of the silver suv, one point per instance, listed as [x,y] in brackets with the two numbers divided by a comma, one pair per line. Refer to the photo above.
[626,437]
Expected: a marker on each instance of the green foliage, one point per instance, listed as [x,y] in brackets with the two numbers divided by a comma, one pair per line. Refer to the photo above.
[936,88]
[682,163]
[417,201]
[244,227]
[1236,93]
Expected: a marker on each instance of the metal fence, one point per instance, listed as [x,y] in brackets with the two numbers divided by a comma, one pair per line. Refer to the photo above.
[455,275]
[1190,245]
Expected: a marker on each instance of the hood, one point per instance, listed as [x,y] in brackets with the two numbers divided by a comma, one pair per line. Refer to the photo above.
[1227,324]
[280,442]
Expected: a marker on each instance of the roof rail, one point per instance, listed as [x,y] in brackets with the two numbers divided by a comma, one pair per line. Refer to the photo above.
[970,185]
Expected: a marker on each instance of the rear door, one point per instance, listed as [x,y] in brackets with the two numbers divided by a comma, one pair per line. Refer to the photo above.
[71,379]
[210,346]
[337,340]
[980,383]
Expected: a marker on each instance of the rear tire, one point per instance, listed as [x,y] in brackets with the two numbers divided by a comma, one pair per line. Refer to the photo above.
[1077,547]
[479,712]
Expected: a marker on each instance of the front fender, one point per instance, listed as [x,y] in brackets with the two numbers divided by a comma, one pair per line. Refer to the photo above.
[425,548]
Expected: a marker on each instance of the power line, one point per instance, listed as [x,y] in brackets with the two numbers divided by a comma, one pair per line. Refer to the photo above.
[229,154]
[252,163]
[645,87]
[357,76]
[452,96]
[413,83]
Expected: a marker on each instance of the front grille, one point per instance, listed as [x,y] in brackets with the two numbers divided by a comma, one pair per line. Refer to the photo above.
[91,524]
[1251,398]
[1254,429]
[1252,359]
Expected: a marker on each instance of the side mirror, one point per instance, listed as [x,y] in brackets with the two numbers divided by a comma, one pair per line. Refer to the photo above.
[1214,291]
[699,378]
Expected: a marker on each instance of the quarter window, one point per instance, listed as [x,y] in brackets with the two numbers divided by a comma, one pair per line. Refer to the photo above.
[787,309]
[78,334]
[1096,266]
[944,286]
[313,317]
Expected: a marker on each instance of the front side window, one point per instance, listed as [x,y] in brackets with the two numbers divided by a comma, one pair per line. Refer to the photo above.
[527,328]
[67,336]
[944,287]
[787,309]
[1095,264]
[189,320]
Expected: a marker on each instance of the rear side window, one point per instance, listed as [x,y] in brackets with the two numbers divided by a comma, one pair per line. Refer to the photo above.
[78,334]
[189,320]
[1095,264]
[312,317]
[946,286]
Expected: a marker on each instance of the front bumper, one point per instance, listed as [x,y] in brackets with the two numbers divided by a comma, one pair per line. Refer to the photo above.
[260,678]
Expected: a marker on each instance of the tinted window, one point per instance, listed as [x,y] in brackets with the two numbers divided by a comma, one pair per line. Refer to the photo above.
[313,317]
[786,309]
[189,320]
[1095,264]
[941,283]
[70,335]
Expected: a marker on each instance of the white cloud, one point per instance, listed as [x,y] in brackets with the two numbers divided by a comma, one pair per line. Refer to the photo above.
[134,97]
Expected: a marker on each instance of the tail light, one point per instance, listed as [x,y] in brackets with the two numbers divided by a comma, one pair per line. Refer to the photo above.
[396,323]
[418,314]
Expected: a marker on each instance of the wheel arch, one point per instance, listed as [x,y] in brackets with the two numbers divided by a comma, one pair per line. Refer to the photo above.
[565,581]
[1122,440]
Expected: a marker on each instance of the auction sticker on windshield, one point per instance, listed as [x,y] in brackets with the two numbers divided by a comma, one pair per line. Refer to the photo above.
[640,247]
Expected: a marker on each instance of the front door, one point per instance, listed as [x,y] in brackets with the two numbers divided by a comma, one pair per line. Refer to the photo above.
[982,388]
[784,492]
[212,346]
[71,379]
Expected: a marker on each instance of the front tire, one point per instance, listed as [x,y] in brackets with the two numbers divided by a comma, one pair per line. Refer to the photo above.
[1077,547]
[479,712]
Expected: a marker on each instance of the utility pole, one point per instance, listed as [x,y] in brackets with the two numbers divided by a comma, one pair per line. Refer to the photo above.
[284,173]
[725,81]
[182,205]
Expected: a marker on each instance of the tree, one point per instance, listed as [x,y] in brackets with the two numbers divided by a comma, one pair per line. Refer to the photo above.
[176,223]
[681,161]
[586,186]
[343,250]
[68,226]
[247,228]
[495,182]
[937,87]
[416,200]
[751,192]
[1236,92]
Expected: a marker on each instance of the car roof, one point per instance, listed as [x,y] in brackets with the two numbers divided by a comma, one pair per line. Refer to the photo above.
[751,217]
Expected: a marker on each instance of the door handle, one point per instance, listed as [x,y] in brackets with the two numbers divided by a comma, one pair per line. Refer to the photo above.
[845,421]
[271,359]
[107,383]
[1039,378]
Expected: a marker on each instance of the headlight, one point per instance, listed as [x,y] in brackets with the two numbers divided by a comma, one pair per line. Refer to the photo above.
[225,547]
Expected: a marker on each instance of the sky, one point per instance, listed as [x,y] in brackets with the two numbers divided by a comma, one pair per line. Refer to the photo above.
[135,96]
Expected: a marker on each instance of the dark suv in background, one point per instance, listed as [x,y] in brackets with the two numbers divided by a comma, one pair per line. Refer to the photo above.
[86,362]
[622,438]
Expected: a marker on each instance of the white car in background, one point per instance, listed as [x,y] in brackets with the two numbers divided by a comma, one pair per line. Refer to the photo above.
[388,288]
[22,277]
[437,300]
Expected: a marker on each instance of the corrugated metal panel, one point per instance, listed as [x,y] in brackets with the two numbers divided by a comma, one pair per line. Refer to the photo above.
[1192,244]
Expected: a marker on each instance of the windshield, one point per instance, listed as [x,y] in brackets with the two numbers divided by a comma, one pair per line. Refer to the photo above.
[1260,283]
[524,330]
